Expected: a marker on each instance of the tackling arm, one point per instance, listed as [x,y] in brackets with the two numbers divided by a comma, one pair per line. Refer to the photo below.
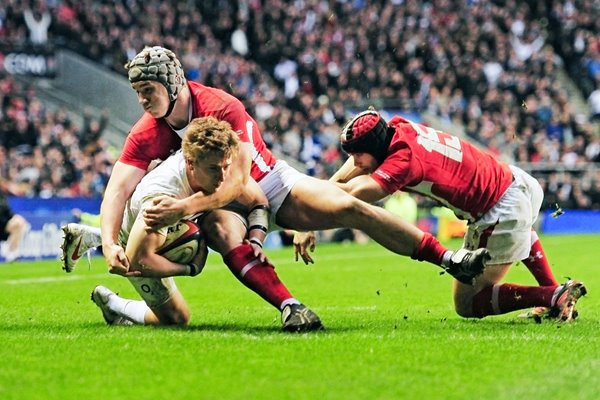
[357,182]
[347,172]
[166,210]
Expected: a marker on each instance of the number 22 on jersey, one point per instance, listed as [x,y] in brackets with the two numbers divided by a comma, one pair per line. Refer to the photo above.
[440,142]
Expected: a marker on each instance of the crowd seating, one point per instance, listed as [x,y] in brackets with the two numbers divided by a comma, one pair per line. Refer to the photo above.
[302,67]
[45,153]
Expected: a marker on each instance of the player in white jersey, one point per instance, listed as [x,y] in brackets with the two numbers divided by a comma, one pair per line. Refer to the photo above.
[201,166]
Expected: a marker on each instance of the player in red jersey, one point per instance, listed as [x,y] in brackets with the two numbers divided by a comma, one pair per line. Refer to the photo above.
[500,202]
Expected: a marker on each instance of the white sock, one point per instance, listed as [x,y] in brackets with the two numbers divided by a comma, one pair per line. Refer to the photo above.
[446,258]
[289,301]
[135,310]
[555,295]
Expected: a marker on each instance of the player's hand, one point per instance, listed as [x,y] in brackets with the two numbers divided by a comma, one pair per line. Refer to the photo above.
[257,251]
[304,241]
[164,211]
[117,261]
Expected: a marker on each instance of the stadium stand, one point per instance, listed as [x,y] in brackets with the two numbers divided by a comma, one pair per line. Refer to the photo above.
[493,71]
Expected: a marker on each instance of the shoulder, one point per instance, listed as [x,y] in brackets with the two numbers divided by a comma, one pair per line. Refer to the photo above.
[145,124]
[209,100]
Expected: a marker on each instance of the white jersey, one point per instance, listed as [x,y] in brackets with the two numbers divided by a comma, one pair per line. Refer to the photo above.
[169,178]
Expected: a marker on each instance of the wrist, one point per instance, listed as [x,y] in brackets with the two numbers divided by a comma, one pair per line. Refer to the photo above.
[256,241]
[193,269]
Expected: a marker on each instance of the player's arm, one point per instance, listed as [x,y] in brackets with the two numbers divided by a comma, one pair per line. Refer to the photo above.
[365,188]
[167,210]
[141,251]
[258,217]
[346,172]
[123,180]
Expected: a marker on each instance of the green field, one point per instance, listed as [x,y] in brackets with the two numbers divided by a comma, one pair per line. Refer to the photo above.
[391,333]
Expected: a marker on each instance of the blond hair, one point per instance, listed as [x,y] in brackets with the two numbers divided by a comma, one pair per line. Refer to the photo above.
[208,135]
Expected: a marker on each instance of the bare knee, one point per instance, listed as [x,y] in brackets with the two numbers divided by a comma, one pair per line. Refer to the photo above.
[223,234]
[17,224]
[463,299]
[176,318]
[464,309]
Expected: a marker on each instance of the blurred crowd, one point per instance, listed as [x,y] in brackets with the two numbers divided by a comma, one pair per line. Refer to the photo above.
[45,153]
[302,67]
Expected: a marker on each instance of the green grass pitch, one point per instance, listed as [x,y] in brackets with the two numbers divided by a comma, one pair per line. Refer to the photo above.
[391,333]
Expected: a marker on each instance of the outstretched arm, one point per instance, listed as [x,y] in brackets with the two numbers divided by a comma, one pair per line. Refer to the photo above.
[167,210]
[355,181]
[347,172]
[365,188]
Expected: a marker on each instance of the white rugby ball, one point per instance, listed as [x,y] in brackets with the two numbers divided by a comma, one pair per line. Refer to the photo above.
[183,243]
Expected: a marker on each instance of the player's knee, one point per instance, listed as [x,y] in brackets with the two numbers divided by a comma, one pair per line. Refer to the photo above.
[175,318]
[464,308]
[216,234]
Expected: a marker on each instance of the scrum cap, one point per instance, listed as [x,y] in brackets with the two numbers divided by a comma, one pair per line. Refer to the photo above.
[157,64]
[367,133]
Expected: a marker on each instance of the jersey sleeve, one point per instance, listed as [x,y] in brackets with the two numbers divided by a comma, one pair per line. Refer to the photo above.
[396,172]
[235,113]
[133,153]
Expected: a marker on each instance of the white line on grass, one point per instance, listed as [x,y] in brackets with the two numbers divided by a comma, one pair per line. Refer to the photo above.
[49,279]
[278,261]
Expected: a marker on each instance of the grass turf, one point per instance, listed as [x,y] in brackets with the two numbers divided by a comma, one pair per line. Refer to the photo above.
[391,334]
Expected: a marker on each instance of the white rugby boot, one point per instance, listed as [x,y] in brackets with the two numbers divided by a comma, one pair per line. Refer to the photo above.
[78,240]
[101,296]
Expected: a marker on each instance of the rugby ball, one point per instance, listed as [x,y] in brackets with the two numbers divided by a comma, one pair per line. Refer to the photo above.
[183,243]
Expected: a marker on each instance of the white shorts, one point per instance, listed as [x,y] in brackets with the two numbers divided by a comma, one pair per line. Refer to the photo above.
[155,291]
[276,185]
[505,230]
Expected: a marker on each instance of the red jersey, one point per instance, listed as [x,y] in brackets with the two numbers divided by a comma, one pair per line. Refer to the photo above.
[442,167]
[151,139]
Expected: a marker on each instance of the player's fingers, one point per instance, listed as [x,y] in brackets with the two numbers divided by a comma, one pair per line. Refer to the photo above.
[123,260]
[308,259]
[117,270]
[157,200]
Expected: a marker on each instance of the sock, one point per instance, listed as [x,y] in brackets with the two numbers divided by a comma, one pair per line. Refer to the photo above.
[537,263]
[134,310]
[429,249]
[258,276]
[504,298]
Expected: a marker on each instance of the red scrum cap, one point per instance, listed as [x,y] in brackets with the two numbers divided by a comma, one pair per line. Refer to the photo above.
[368,133]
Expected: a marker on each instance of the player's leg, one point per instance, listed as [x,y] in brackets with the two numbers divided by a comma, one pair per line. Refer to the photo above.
[225,232]
[78,240]
[16,228]
[315,204]
[537,263]
[507,237]
[162,304]
[489,297]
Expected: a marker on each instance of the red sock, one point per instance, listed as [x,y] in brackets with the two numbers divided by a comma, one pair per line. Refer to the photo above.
[500,299]
[537,263]
[429,249]
[258,276]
